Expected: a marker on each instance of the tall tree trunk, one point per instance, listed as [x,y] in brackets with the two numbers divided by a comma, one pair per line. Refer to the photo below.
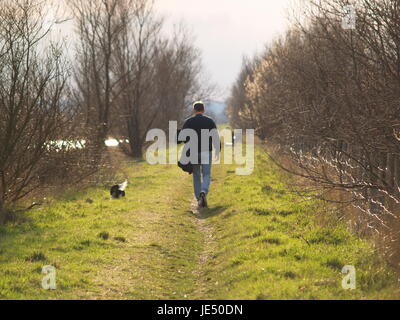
[137,150]
[136,145]
[2,213]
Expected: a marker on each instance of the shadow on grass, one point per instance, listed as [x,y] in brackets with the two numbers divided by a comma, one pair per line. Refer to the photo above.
[212,212]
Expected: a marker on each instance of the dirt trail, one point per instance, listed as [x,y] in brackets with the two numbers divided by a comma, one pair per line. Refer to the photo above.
[163,250]
[208,252]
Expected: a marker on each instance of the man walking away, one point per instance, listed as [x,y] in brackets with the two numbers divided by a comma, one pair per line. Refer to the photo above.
[205,126]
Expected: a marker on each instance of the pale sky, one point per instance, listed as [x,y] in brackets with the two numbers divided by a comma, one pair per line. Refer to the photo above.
[226,30]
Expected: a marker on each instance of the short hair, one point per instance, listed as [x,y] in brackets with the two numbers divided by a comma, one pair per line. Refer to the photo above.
[199,106]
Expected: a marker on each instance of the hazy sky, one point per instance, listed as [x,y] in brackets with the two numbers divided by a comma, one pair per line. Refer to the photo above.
[226,30]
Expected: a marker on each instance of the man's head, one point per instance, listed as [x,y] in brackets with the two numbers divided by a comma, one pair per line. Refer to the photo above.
[199,107]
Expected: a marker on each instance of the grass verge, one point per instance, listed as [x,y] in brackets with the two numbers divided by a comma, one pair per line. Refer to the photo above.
[269,246]
[142,247]
[257,241]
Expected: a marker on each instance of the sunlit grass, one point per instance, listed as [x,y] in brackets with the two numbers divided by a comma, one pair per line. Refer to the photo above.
[268,245]
[257,241]
[141,247]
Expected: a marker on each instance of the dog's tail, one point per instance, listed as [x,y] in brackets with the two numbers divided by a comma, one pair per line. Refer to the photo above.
[123,185]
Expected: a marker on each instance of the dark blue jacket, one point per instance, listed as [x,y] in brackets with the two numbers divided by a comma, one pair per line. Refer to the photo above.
[198,123]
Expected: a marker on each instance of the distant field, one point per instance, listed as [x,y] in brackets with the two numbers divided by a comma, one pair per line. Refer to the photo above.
[257,241]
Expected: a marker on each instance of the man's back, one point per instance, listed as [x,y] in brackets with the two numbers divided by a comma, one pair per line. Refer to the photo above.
[200,122]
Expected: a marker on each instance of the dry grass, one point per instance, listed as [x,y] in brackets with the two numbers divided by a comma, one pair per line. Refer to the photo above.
[339,207]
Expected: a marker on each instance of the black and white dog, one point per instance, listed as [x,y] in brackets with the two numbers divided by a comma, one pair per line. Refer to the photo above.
[118,191]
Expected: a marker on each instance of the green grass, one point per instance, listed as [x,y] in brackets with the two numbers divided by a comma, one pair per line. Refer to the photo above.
[268,245]
[257,241]
[141,247]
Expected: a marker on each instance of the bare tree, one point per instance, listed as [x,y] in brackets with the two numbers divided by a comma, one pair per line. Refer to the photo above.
[131,77]
[158,75]
[240,115]
[135,54]
[99,24]
[178,80]
[33,77]
[329,98]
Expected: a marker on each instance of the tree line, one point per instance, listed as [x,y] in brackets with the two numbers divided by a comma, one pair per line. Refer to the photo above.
[328,98]
[126,76]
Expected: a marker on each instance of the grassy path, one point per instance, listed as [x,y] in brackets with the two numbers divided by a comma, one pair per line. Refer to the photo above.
[143,247]
[257,241]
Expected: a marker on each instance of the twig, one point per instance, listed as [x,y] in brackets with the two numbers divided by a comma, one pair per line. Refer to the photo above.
[35,204]
[305,240]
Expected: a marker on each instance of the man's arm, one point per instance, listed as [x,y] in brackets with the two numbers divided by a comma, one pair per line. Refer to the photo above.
[177,136]
[216,140]
[185,126]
